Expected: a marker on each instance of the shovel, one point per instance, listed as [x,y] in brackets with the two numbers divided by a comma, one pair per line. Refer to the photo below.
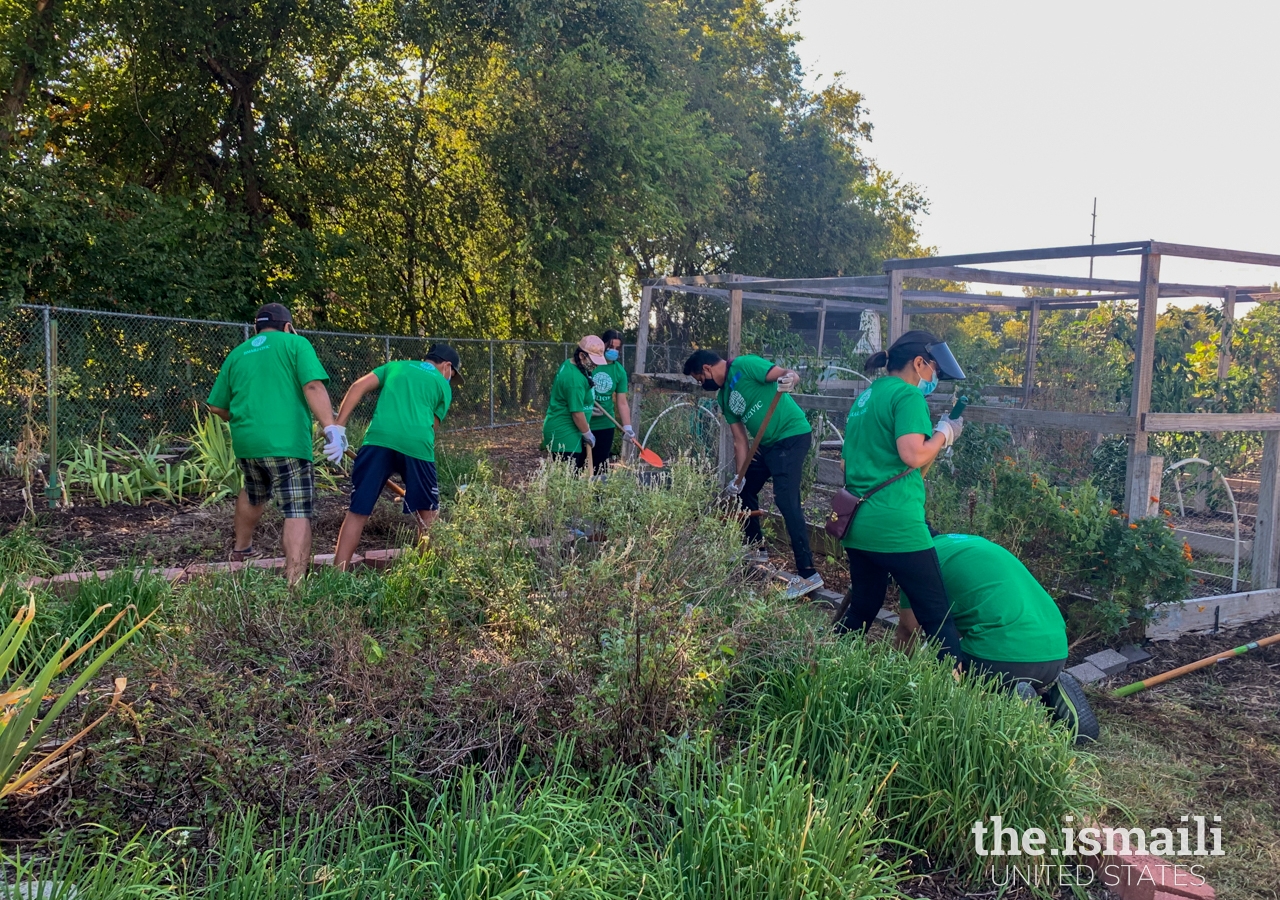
[391,486]
[646,454]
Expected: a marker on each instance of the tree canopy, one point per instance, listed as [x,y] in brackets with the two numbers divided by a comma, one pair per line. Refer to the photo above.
[506,168]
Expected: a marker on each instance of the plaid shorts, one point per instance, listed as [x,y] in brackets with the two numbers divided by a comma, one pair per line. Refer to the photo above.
[290,482]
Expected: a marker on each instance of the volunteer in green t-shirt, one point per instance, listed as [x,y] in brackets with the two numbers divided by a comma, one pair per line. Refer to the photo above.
[609,382]
[745,387]
[1009,625]
[889,432]
[413,399]
[565,429]
[268,389]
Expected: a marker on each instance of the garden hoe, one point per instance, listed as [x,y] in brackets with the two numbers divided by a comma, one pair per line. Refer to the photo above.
[1195,666]
[646,454]
[751,454]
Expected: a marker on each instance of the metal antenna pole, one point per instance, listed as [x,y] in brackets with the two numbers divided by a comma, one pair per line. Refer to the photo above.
[1093,233]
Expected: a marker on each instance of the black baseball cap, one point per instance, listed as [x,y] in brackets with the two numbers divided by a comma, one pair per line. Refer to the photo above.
[445,353]
[272,315]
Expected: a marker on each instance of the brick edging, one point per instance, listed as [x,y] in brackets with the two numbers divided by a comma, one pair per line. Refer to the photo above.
[374,559]
[1143,876]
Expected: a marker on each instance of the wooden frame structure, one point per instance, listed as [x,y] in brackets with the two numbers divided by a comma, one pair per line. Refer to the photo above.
[890,295]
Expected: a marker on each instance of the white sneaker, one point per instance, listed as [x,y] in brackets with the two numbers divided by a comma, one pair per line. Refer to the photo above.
[797,587]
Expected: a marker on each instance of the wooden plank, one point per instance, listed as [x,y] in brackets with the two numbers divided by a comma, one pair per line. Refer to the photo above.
[1074,252]
[822,325]
[1266,529]
[1198,616]
[777,300]
[1228,325]
[1023,279]
[958,297]
[636,392]
[895,307]
[846,281]
[825,403]
[1012,416]
[1137,467]
[1216,544]
[676,280]
[1184,422]
[1033,339]
[965,309]
[735,321]
[1217,253]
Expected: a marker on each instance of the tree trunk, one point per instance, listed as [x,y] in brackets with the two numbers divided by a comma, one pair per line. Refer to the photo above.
[29,69]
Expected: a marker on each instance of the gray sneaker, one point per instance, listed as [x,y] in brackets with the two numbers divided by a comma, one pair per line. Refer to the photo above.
[797,587]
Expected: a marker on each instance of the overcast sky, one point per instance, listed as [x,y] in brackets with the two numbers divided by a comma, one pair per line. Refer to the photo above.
[1013,116]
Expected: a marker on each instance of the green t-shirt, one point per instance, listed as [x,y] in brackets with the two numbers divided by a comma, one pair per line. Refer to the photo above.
[607,381]
[414,394]
[260,384]
[745,397]
[570,393]
[892,519]
[1001,611]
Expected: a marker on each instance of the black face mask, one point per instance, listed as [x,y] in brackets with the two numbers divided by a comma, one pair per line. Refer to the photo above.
[709,384]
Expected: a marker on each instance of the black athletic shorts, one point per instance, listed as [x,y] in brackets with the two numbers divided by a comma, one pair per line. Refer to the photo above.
[372,468]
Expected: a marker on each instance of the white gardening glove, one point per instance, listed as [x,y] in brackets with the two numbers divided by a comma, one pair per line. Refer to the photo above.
[629,432]
[589,439]
[734,488]
[335,442]
[950,428]
[787,382]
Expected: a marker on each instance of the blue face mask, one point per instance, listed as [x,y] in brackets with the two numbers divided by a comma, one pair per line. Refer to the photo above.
[611,355]
[928,387]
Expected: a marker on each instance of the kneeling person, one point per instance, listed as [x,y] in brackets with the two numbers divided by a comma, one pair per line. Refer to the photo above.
[1009,625]
[401,438]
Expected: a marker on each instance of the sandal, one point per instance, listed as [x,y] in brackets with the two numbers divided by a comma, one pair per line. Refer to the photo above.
[245,555]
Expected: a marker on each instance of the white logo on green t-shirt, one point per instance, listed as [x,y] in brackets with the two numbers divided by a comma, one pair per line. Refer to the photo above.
[602,382]
[737,403]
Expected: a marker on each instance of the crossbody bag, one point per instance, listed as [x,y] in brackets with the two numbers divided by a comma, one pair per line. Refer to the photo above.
[844,506]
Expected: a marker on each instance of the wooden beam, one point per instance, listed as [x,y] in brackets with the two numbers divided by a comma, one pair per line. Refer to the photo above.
[1216,253]
[1103,423]
[1033,339]
[779,300]
[1023,279]
[1203,615]
[895,307]
[669,280]
[1186,422]
[822,325]
[880,281]
[1138,466]
[735,321]
[1228,325]
[1075,252]
[965,309]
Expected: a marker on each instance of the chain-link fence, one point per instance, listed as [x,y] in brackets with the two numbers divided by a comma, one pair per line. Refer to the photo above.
[142,376]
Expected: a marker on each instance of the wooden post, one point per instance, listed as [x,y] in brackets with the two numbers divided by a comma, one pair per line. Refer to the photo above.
[896,319]
[1266,535]
[1228,326]
[1142,477]
[822,325]
[637,383]
[735,319]
[1033,341]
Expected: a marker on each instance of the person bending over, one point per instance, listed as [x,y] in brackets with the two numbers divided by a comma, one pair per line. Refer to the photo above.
[413,399]
[565,429]
[1009,625]
[745,387]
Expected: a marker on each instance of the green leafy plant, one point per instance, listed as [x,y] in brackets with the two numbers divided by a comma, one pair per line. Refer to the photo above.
[22,727]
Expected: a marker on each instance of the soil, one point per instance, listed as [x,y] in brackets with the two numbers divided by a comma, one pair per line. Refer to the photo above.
[88,536]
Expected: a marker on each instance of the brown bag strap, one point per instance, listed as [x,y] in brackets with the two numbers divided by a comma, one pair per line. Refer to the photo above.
[884,484]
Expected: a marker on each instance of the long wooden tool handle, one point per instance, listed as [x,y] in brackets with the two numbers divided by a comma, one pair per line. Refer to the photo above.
[755,444]
[390,485]
[1193,667]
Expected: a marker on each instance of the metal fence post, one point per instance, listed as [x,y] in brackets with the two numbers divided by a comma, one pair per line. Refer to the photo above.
[246,332]
[386,347]
[491,389]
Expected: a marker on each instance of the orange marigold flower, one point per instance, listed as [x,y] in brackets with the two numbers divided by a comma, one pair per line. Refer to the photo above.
[1186,552]
[1131,525]
[1115,512]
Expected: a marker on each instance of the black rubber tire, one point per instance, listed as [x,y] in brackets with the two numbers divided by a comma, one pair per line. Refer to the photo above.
[1067,701]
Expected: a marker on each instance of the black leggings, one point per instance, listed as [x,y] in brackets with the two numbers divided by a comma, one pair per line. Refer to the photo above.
[919,576]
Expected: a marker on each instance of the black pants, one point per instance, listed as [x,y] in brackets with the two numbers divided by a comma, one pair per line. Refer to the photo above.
[602,452]
[1039,674]
[783,461]
[919,575]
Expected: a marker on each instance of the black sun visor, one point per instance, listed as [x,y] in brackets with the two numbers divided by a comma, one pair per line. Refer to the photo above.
[948,368]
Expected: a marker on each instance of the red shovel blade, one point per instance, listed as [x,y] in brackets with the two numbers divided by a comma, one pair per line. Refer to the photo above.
[650,457]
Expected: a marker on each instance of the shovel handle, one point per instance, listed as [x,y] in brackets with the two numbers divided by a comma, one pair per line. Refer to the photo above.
[390,485]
